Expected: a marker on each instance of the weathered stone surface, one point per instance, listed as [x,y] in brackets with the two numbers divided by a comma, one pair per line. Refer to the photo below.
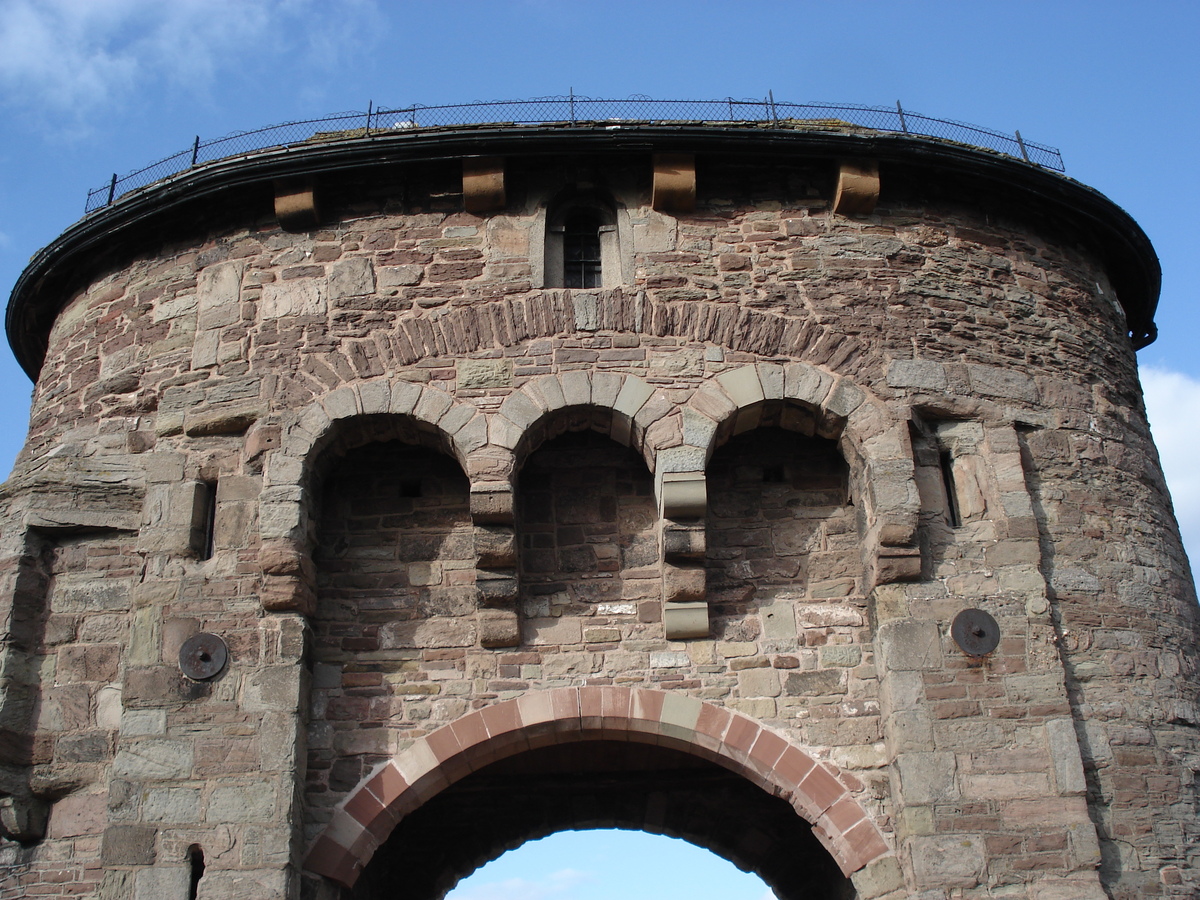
[438,489]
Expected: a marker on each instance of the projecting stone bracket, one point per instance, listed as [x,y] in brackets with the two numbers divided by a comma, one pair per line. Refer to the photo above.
[497,585]
[857,187]
[289,578]
[483,184]
[296,204]
[674,183]
[683,504]
[23,818]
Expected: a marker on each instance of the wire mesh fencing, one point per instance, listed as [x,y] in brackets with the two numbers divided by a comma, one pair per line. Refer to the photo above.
[574,109]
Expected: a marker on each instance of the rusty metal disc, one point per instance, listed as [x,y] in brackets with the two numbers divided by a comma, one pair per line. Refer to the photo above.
[203,656]
[975,632]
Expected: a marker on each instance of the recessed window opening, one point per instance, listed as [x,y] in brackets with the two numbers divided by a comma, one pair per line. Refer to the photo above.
[773,475]
[953,516]
[410,487]
[581,250]
[204,519]
[196,863]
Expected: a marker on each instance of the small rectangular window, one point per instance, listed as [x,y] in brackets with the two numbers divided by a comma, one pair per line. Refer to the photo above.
[204,518]
[581,251]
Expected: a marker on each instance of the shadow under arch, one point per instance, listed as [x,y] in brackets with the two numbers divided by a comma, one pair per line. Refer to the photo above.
[400,787]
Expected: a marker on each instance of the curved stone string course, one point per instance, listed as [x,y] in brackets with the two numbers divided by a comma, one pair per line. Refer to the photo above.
[595,475]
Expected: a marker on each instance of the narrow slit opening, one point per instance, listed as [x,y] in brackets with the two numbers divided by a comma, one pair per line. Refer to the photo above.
[953,516]
[196,863]
[207,545]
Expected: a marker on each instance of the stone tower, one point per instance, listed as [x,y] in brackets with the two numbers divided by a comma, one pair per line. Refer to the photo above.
[393,498]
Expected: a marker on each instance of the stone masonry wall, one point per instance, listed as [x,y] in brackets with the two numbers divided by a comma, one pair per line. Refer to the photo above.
[1064,765]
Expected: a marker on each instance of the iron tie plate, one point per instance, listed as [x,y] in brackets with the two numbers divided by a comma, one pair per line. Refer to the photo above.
[203,656]
[975,632]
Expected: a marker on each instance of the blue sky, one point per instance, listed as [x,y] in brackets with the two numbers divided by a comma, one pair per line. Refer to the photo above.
[92,87]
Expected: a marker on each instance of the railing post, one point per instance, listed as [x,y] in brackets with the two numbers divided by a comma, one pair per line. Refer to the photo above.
[370,109]
[572,96]
[771,100]
[195,149]
[112,189]
[1021,144]
[903,124]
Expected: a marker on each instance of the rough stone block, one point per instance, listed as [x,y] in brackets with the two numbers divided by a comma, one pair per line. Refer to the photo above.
[499,628]
[683,583]
[910,645]
[495,547]
[128,845]
[491,504]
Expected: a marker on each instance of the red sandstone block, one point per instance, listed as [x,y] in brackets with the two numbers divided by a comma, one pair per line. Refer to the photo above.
[821,788]
[741,735]
[470,731]
[792,767]
[333,861]
[591,700]
[363,807]
[565,704]
[844,815]
[646,706]
[387,784]
[615,703]
[501,718]
[713,721]
[444,743]
[767,749]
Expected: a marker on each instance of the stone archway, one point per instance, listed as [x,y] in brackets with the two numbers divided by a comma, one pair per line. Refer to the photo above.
[402,786]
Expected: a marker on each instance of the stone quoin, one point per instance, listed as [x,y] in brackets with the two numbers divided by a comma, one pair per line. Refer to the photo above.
[504,479]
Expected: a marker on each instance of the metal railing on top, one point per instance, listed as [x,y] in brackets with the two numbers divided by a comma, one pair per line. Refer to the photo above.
[571,109]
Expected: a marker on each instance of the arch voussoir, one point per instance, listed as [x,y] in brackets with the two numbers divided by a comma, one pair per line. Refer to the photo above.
[432,763]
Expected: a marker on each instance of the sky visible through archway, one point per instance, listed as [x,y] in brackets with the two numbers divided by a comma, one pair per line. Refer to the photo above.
[604,864]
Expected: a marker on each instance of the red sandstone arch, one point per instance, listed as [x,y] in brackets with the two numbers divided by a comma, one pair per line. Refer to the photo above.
[817,792]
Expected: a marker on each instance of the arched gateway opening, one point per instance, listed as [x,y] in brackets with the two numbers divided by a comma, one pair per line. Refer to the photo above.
[594,757]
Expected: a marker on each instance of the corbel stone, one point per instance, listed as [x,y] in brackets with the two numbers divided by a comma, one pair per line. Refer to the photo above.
[492,503]
[894,564]
[683,620]
[495,547]
[23,818]
[296,204]
[857,187]
[683,584]
[683,495]
[674,182]
[483,184]
[498,628]
[496,586]
[682,543]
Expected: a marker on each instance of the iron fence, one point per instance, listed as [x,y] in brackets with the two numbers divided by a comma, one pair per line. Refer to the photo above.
[572,109]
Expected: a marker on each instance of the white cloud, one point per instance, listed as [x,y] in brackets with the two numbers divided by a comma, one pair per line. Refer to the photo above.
[558,885]
[1173,407]
[75,55]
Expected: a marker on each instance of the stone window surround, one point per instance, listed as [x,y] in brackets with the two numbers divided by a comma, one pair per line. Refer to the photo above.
[616,238]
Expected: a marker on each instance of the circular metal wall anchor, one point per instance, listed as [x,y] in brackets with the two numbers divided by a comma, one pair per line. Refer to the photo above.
[975,632]
[203,656]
